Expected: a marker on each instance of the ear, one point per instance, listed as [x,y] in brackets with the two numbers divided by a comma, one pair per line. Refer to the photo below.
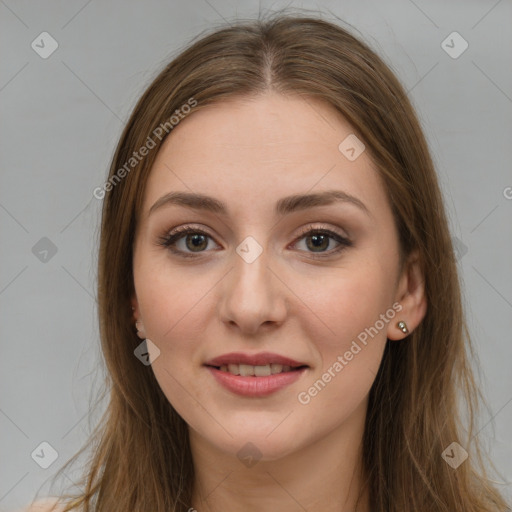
[410,294]
[135,307]
[141,333]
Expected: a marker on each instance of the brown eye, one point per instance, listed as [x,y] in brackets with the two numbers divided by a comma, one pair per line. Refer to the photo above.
[196,242]
[319,240]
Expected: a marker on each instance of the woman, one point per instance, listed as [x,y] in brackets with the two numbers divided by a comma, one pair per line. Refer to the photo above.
[279,304]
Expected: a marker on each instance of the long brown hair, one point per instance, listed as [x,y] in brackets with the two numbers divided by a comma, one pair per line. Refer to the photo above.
[140,458]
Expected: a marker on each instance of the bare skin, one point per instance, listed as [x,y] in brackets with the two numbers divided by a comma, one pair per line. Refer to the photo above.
[296,299]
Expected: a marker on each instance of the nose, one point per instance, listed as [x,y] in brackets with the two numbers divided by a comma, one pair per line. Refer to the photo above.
[252,296]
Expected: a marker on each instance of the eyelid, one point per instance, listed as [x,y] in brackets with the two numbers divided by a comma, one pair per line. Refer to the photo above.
[343,241]
[169,239]
[322,228]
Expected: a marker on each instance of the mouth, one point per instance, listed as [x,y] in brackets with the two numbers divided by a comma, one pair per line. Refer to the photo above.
[247,370]
[255,375]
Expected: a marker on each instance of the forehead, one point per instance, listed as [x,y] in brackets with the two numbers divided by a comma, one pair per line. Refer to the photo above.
[250,152]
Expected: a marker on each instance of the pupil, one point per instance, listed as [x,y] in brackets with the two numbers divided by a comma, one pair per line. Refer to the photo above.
[196,241]
[317,241]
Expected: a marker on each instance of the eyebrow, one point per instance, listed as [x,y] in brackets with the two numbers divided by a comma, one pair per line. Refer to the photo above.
[284,206]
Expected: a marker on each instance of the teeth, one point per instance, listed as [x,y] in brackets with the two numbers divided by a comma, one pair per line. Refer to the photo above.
[247,370]
[262,371]
[276,368]
[234,369]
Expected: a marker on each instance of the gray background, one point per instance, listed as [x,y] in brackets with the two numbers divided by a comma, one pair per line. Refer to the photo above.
[61,118]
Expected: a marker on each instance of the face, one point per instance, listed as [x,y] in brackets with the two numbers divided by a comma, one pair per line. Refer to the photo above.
[315,282]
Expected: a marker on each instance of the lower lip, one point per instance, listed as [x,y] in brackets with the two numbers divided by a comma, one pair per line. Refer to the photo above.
[256,386]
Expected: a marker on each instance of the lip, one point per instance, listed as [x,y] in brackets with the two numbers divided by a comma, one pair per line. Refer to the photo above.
[256,386]
[253,386]
[260,359]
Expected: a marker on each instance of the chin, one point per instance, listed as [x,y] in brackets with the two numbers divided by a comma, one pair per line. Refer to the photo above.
[260,449]
[254,442]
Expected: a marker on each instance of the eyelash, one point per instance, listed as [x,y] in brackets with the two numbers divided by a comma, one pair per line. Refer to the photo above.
[170,240]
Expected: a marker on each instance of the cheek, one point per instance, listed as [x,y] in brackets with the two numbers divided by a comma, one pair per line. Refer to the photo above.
[350,338]
[171,301]
[350,341]
[172,305]
[346,303]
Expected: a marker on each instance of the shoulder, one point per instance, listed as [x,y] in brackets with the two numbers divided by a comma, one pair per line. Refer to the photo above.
[44,505]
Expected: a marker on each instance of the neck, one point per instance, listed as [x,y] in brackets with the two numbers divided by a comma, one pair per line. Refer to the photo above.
[325,475]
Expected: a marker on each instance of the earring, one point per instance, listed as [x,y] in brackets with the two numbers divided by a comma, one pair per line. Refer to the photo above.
[140,330]
[403,327]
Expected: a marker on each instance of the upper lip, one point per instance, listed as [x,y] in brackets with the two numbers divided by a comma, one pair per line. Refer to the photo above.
[261,359]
